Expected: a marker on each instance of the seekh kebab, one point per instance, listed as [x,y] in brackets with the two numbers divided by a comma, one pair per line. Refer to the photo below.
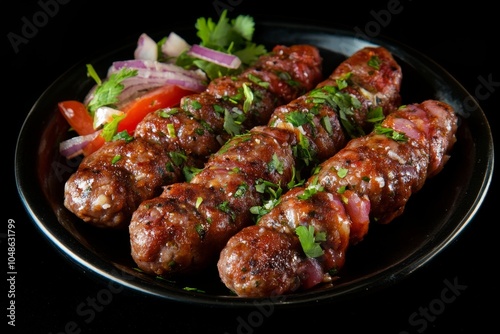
[302,242]
[183,230]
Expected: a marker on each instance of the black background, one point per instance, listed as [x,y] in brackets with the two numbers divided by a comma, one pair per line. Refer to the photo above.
[463,39]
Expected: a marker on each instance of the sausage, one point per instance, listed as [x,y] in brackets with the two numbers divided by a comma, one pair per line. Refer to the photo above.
[370,179]
[183,230]
[110,184]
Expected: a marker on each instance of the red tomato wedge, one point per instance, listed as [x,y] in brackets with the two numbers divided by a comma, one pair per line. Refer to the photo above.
[77,116]
[93,145]
[80,120]
[136,110]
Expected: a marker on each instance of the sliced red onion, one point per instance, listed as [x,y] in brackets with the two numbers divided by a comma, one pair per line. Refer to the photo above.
[136,89]
[174,45]
[74,146]
[155,66]
[154,73]
[214,56]
[146,48]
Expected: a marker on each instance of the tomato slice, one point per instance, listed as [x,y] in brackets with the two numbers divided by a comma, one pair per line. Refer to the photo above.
[162,97]
[77,115]
[94,145]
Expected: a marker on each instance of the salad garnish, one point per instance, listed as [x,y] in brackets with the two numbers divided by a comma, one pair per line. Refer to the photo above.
[157,77]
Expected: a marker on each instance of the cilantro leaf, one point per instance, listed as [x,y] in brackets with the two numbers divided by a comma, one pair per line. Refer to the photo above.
[250,53]
[390,133]
[190,171]
[310,241]
[107,92]
[312,188]
[374,62]
[275,165]
[244,26]
[233,121]
[110,128]
[273,191]
[229,36]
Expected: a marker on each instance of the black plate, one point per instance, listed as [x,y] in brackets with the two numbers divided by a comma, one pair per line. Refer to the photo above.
[433,217]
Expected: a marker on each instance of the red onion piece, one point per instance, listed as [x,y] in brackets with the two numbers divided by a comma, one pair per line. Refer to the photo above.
[74,146]
[214,56]
[174,45]
[152,74]
[155,66]
[146,48]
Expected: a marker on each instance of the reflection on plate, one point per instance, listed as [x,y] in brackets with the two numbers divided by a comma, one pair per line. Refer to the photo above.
[433,217]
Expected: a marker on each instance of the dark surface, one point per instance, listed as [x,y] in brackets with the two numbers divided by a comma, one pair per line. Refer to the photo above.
[54,296]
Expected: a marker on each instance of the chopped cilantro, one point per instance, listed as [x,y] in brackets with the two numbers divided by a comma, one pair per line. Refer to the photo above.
[123,135]
[273,191]
[249,97]
[200,230]
[106,93]
[390,133]
[189,172]
[193,289]
[224,207]
[374,62]
[310,241]
[296,180]
[342,172]
[115,159]
[275,164]
[303,150]
[296,118]
[171,130]
[325,121]
[375,115]
[177,158]
[256,80]
[310,190]
[242,189]
[342,102]
[341,189]
[109,129]
[233,121]
[167,112]
[199,200]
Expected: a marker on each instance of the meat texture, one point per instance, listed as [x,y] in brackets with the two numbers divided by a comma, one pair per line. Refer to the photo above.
[370,179]
[183,230]
[110,184]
